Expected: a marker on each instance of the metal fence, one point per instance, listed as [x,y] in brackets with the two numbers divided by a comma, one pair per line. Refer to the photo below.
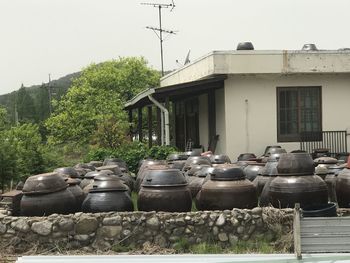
[334,141]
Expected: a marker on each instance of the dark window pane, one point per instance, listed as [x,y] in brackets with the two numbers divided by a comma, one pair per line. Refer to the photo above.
[299,111]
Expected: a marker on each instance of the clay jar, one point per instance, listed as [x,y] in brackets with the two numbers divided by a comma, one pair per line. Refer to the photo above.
[227,189]
[107,196]
[146,165]
[342,187]
[296,182]
[219,159]
[46,194]
[195,182]
[252,170]
[75,189]
[164,190]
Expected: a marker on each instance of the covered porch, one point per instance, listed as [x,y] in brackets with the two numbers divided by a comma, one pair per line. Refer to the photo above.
[195,110]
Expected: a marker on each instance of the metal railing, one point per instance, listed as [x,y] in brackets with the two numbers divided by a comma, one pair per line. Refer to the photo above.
[334,141]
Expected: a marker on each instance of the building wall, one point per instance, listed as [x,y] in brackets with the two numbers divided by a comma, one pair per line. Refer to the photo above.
[220,120]
[203,120]
[251,108]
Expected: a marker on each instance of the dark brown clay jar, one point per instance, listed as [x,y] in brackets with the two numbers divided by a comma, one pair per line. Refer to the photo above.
[246,157]
[265,174]
[176,157]
[113,167]
[177,165]
[44,184]
[107,196]
[195,160]
[67,171]
[164,190]
[89,177]
[75,189]
[222,195]
[116,161]
[219,159]
[342,188]
[61,202]
[85,166]
[252,170]
[227,189]
[308,190]
[295,164]
[147,165]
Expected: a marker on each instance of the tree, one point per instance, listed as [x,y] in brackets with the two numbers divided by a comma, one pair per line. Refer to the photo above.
[7,152]
[25,106]
[8,160]
[94,103]
[27,142]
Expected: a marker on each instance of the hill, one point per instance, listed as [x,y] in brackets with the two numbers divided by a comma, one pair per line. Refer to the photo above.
[32,103]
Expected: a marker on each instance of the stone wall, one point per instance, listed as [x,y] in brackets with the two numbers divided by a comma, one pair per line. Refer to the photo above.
[104,230]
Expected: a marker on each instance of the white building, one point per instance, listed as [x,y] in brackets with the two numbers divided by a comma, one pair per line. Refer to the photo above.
[252,99]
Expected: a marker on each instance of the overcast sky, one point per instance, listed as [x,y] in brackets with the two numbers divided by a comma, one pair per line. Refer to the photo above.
[62,36]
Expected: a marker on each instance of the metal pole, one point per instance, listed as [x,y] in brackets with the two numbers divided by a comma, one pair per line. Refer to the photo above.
[161,38]
[49,91]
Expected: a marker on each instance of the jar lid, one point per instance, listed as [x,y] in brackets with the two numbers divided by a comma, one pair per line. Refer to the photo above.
[44,183]
[163,178]
[108,186]
[295,164]
[227,173]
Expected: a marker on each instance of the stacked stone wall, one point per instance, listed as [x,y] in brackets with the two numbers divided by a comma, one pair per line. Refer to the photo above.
[102,231]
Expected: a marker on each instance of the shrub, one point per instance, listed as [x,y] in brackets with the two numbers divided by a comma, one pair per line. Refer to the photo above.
[131,153]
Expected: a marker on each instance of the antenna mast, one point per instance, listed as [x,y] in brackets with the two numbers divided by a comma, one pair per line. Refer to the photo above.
[160,29]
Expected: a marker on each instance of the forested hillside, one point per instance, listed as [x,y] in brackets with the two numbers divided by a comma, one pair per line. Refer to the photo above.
[32,103]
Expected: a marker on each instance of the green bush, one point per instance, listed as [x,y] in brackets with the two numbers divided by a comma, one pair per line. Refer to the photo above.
[131,153]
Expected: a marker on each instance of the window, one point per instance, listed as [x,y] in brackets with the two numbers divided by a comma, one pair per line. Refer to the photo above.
[298,111]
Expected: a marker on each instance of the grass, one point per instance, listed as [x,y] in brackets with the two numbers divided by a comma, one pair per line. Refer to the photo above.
[134,200]
[259,245]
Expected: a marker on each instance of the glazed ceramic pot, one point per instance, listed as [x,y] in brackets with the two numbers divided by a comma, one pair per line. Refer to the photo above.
[164,190]
[227,189]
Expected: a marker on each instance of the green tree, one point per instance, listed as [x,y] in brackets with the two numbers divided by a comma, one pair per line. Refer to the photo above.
[92,110]
[27,143]
[8,160]
[8,154]
[25,106]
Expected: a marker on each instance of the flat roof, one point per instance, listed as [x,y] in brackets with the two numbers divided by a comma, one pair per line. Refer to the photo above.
[231,62]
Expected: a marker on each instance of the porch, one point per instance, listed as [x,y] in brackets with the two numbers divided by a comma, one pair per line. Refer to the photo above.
[195,111]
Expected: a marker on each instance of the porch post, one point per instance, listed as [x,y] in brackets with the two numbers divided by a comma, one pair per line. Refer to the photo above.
[149,108]
[211,115]
[139,123]
[130,125]
[159,127]
[173,123]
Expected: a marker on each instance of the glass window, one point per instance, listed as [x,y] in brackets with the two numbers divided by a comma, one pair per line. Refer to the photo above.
[298,111]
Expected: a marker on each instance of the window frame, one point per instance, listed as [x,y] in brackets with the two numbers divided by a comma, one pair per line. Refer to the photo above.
[295,137]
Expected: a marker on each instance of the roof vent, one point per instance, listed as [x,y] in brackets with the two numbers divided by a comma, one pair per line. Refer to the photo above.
[245,46]
[309,47]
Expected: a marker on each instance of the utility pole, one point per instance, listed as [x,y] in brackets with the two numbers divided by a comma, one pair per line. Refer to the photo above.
[49,91]
[16,111]
[160,29]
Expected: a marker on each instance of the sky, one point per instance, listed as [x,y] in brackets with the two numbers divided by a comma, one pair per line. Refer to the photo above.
[38,37]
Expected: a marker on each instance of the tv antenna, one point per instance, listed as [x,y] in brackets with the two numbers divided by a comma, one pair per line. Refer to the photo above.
[187,59]
[159,31]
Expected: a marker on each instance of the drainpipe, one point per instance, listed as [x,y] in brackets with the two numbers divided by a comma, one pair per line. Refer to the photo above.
[166,120]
